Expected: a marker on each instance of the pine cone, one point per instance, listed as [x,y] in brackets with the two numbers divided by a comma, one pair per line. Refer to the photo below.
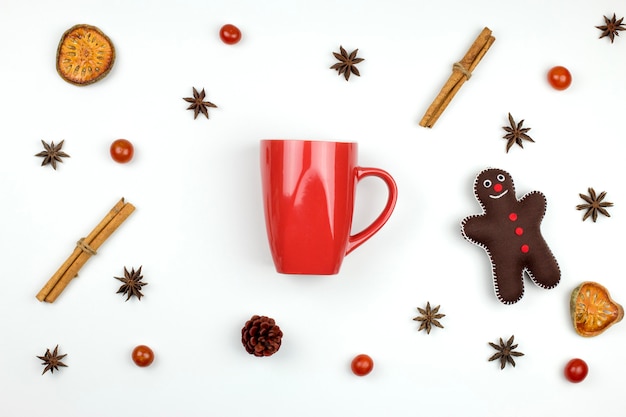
[261,336]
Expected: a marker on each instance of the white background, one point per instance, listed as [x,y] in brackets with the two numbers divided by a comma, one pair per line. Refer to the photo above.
[199,230]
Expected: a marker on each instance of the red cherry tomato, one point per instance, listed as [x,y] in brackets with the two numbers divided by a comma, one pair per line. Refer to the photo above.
[230,34]
[576,370]
[559,78]
[122,151]
[362,365]
[143,356]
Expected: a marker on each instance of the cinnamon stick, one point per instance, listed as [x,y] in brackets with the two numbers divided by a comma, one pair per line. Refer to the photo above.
[461,72]
[85,248]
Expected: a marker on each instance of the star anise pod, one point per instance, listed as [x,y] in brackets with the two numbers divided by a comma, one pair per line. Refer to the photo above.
[52,154]
[611,27]
[595,205]
[347,63]
[132,283]
[505,352]
[52,360]
[429,317]
[516,133]
[198,105]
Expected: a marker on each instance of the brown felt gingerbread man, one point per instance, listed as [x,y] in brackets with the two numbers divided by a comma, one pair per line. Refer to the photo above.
[509,230]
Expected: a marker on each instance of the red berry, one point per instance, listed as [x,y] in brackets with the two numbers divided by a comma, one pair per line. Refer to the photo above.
[362,365]
[559,78]
[122,151]
[230,34]
[143,356]
[576,370]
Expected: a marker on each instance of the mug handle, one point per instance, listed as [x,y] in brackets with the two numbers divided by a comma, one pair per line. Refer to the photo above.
[354,241]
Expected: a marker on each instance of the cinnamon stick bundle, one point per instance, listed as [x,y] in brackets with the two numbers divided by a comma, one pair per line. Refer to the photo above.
[461,72]
[85,248]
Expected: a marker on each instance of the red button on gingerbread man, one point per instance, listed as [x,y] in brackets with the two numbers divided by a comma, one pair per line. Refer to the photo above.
[509,230]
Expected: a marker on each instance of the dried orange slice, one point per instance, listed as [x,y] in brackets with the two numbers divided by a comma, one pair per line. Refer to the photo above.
[593,310]
[85,55]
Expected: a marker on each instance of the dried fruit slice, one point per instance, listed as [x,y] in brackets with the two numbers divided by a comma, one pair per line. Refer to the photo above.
[85,55]
[593,310]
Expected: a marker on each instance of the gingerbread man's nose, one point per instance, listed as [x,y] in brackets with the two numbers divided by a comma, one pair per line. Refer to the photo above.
[497,188]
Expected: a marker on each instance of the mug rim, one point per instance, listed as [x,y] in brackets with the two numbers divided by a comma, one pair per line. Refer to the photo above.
[309,141]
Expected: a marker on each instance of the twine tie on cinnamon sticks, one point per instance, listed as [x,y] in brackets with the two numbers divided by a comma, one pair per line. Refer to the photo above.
[461,72]
[85,248]
[460,67]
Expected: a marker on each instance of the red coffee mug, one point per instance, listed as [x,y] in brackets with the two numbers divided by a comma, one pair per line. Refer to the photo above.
[309,190]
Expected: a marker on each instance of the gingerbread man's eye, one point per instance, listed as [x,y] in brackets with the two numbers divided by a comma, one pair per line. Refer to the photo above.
[500,177]
[487,183]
